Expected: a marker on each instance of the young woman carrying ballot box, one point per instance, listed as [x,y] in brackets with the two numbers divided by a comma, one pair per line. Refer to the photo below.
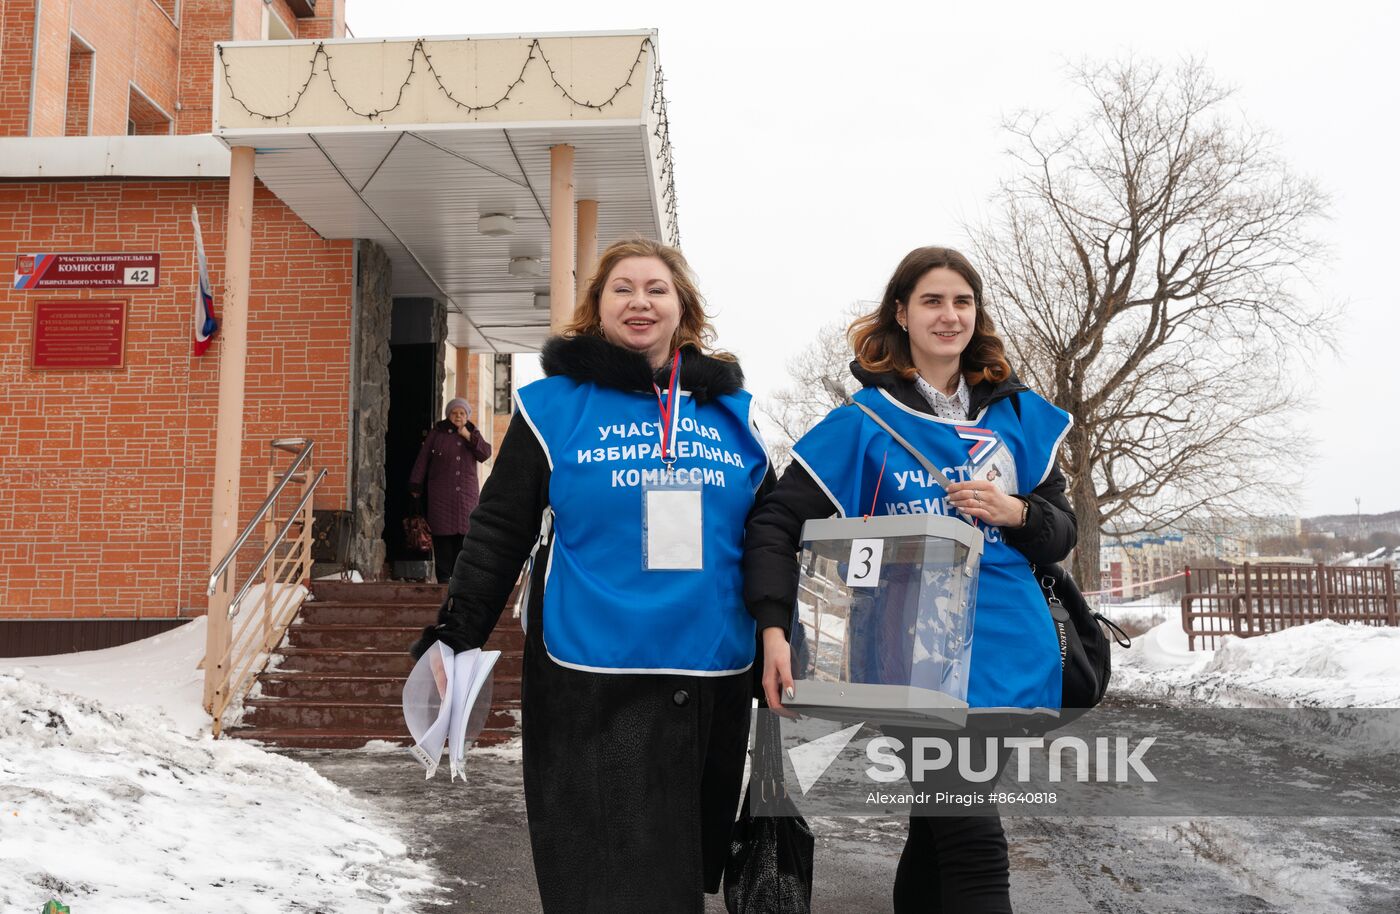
[630,470]
[933,369]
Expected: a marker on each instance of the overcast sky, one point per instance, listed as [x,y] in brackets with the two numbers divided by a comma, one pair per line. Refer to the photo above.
[813,150]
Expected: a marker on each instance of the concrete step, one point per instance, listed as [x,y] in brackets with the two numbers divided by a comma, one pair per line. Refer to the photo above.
[338,681]
[372,663]
[378,689]
[380,638]
[346,716]
[392,614]
[320,660]
[323,739]
[379,592]
[352,637]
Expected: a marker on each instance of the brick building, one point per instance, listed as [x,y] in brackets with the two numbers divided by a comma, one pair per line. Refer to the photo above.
[420,210]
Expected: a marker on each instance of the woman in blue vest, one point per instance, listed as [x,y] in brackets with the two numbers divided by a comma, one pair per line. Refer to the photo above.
[633,465]
[932,367]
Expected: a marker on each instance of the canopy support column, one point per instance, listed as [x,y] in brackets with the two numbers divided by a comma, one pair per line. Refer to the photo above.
[587,243]
[228,453]
[561,237]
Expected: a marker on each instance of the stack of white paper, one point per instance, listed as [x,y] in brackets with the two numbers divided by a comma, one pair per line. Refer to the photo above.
[445,702]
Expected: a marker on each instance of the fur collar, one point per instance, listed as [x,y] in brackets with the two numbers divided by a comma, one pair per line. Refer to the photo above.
[595,360]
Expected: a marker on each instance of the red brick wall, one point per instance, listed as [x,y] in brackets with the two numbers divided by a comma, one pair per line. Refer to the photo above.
[329,21]
[79,90]
[202,22]
[105,476]
[132,42]
[16,65]
[135,42]
[51,69]
[144,118]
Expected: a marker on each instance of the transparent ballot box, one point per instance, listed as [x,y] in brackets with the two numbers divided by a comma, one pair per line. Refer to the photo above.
[883,623]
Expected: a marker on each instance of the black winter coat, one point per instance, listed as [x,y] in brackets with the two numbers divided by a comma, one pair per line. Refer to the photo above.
[773,535]
[631,781]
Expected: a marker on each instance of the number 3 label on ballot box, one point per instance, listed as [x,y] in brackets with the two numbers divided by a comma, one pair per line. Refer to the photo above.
[864,570]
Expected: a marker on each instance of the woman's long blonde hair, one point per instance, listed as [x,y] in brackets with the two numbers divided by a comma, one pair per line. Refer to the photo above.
[694,329]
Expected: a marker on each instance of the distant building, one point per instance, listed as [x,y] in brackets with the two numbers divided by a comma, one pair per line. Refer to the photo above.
[1135,565]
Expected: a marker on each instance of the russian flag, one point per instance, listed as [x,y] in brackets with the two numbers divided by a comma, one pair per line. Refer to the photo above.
[205,324]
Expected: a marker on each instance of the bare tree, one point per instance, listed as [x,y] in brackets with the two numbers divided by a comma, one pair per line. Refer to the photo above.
[819,372]
[1144,264]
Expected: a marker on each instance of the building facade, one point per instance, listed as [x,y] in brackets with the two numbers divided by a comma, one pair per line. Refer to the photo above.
[408,229]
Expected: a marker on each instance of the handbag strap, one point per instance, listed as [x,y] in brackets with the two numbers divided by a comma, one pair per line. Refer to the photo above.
[1047,581]
[924,462]
[767,770]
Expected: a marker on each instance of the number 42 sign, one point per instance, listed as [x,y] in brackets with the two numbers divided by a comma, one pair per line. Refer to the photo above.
[86,271]
[864,567]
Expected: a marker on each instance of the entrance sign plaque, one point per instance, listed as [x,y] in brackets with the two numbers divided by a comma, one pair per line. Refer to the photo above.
[86,271]
[79,334]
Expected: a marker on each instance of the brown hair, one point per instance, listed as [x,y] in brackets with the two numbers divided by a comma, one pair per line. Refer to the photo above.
[880,345]
[694,328]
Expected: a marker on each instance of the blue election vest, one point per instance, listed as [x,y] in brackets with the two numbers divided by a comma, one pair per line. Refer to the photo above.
[602,611]
[1015,651]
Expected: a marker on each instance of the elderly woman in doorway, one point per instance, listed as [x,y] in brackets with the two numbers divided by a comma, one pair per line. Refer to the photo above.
[447,464]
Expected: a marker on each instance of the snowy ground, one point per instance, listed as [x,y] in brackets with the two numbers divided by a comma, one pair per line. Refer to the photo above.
[1325,664]
[1274,864]
[114,798]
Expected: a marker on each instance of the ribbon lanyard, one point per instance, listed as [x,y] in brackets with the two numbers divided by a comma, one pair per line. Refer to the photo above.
[670,416]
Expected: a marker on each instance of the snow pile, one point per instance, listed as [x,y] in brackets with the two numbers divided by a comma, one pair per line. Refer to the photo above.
[1345,669]
[119,811]
[159,673]
[1324,664]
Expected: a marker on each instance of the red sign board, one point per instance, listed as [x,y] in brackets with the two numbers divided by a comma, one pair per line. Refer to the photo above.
[79,334]
[86,271]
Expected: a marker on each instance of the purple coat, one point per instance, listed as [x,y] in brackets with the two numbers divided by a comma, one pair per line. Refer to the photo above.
[448,463]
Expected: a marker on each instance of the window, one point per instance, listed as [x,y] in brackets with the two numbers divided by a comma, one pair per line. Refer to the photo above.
[78,119]
[143,116]
[273,28]
[503,384]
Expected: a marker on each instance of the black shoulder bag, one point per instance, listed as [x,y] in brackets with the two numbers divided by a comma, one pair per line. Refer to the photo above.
[1085,654]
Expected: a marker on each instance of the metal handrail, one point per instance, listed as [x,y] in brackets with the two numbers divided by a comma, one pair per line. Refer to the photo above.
[222,568]
[236,652]
[292,520]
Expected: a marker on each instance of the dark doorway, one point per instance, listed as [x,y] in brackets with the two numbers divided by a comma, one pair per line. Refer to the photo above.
[418,327]
[412,410]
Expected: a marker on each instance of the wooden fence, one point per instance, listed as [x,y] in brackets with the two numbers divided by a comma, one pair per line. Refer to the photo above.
[1249,600]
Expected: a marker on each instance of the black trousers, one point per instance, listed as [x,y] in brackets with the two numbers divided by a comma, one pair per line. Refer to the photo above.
[953,863]
[445,549]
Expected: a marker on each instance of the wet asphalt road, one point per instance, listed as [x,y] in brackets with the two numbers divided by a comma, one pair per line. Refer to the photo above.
[475,835]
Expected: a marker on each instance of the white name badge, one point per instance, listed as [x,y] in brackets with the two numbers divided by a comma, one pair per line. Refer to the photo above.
[673,526]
